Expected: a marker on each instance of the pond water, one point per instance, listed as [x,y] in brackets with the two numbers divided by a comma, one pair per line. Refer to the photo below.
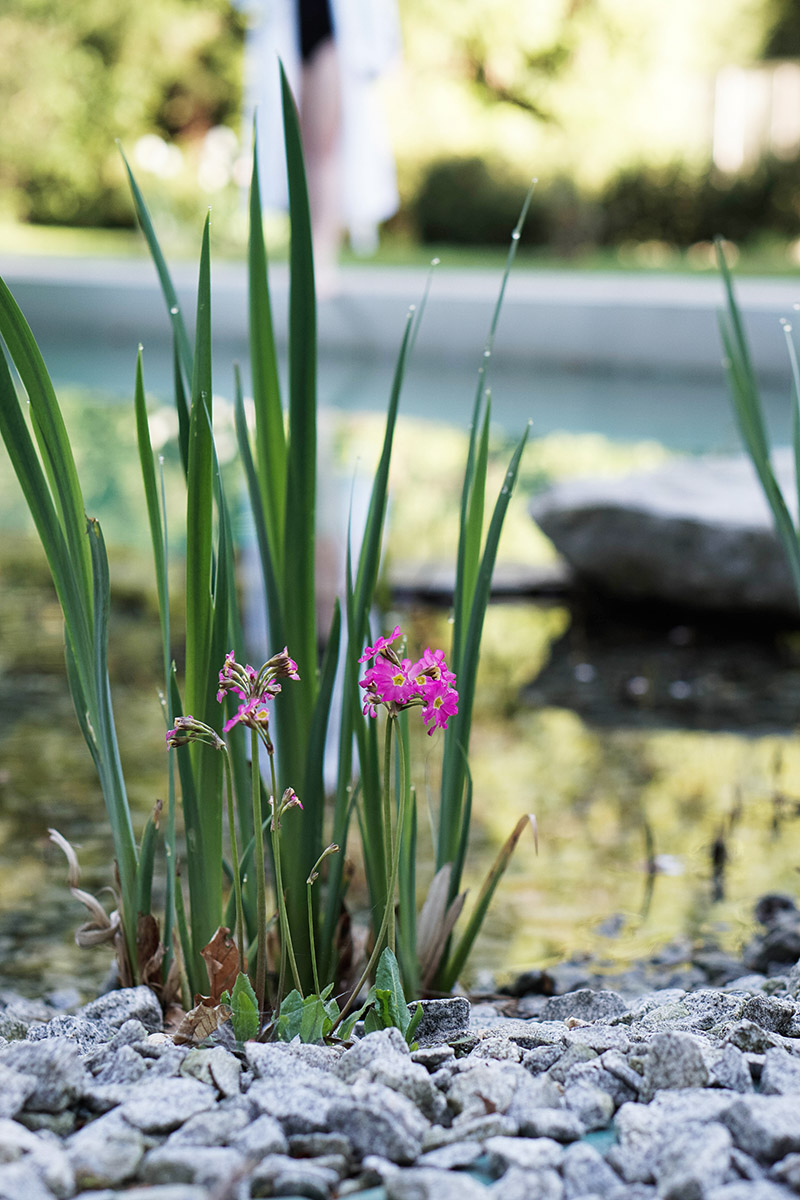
[634,790]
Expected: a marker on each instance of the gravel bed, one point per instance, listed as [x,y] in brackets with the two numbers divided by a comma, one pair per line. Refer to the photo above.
[684,1091]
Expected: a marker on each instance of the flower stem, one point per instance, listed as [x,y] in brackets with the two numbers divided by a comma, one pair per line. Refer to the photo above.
[389,836]
[283,917]
[261,879]
[237,878]
[311,938]
[377,949]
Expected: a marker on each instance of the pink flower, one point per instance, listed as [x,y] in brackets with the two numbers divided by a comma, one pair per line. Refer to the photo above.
[186,729]
[381,644]
[281,666]
[399,683]
[253,713]
[390,682]
[432,666]
[440,702]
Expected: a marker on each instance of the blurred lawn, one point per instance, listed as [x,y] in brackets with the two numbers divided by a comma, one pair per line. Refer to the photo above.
[769,256]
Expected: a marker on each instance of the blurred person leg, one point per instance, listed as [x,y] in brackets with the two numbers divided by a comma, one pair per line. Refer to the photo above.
[320,105]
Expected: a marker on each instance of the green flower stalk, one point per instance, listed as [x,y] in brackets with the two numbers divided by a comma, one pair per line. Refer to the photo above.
[312,878]
[255,689]
[187,729]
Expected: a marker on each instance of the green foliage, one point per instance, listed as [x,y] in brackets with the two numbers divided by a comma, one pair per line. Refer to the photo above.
[74,77]
[311,1018]
[469,201]
[281,477]
[244,1009]
[75,551]
[386,1005]
[314,1017]
[674,205]
[749,410]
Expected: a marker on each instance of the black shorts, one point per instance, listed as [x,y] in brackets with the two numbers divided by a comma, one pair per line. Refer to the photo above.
[314,25]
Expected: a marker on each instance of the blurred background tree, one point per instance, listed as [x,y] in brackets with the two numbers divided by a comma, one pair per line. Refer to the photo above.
[645,122]
[77,74]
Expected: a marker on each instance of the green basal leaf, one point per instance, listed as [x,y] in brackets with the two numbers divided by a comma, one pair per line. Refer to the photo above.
[387,1007]
[310,1018]
[244,1009]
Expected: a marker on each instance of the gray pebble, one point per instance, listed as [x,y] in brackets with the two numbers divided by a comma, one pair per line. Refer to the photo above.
[126,1004]
[161,1105]
[106,1152]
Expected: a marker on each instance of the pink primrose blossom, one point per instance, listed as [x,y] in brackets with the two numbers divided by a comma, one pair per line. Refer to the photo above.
[432,666]
[390,682]
[441,702]
[253,713]
[381,644]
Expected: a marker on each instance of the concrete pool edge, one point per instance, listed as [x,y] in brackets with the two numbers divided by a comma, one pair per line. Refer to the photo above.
[625,323]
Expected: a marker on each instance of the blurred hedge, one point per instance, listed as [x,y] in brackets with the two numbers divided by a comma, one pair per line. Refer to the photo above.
[75,76]
[475,201]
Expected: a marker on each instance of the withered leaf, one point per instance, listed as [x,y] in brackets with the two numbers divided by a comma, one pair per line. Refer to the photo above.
[201,1022]
[222,963]
[149,951]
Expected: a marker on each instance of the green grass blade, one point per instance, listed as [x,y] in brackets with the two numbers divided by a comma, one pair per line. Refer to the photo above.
[458,733]
[369,557]
[472,535]
[268,564]
[298,580]
[319,726]
[51,435]
[787,329]
[181,405]
[466,818]
[102,719]
[165,279]
[147,858]
[748,409]
[466,558]
[297,567]
[199,505]
[270,435]
[203,806]
[68,584]
[153,505]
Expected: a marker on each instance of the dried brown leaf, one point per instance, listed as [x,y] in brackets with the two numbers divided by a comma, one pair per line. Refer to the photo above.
[149,952]
[200,1022]
[222,963]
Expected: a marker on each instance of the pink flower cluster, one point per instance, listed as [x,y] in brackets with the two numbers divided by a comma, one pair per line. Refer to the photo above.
[254,688]
[400,683]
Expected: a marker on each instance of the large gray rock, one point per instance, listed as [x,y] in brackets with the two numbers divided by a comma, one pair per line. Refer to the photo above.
[696,1159]
[695,531]
[586,1173]
[15,1088]
[210,1166]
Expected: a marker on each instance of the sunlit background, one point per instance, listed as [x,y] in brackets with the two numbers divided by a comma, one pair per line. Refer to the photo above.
[651,127]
